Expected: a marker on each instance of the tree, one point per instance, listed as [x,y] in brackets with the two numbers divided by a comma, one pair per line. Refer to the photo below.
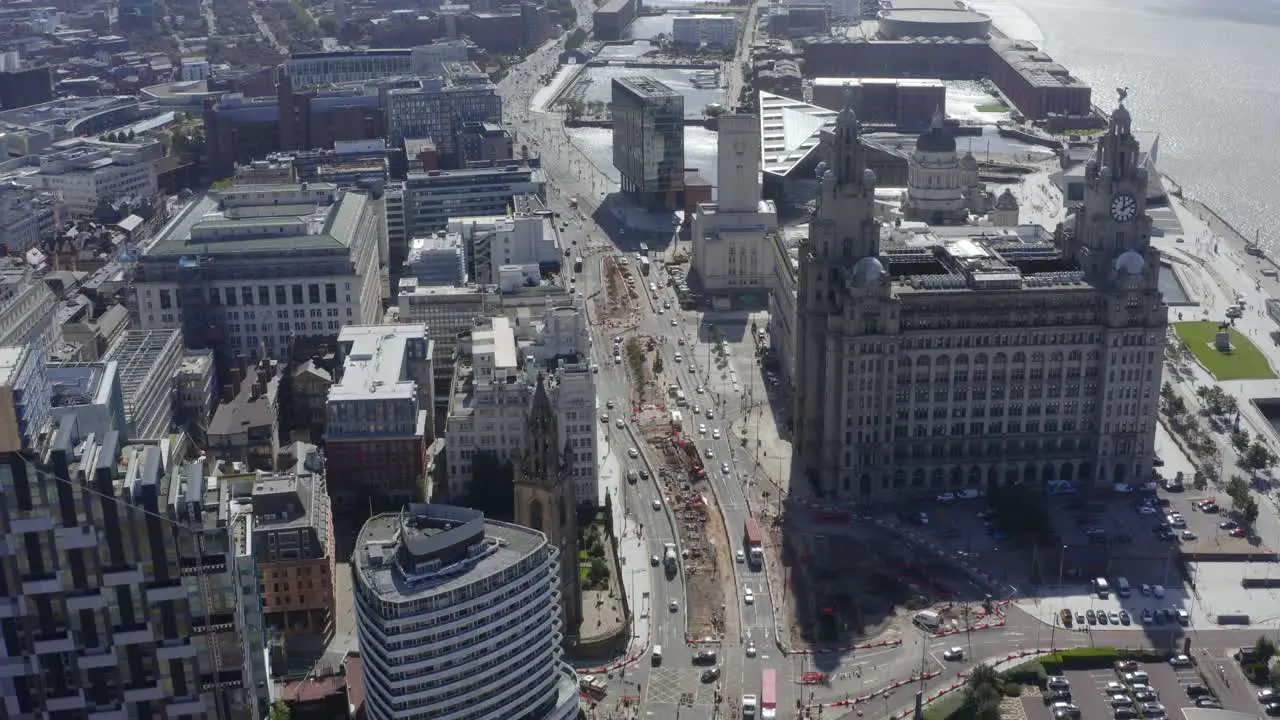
[1248,511]
[657,365]
[982,693]
[280,711]
[1258,457]
[1175,406]
[1240,440]
[1238,490]
[575,39]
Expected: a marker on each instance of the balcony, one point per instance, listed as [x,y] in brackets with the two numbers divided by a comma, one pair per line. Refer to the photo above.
[149,693]
[188,707]
[166,592]
[66,703]
[55,643]
[176,650]
[133,636]
[93,658]
[112,577]
[12,667]
[39,523]
[42,584]
[75,538]
[88,601]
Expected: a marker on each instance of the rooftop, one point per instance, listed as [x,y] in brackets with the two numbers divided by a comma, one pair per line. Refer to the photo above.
[376,364]
[646,87]
[499,340]
[449,548]
[195,363]
[264,218]
[790,130]
[249,409]
[10,359]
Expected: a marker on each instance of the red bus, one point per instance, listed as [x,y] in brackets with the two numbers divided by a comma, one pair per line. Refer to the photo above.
[769,695]
[753,540]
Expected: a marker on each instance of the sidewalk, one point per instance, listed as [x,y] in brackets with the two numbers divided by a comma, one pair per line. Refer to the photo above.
[631,549]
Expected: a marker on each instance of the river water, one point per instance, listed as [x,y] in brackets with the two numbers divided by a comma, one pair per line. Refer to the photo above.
[1199,72]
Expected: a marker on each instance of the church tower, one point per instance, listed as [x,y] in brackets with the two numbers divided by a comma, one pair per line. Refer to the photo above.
[840,280]
[544,499]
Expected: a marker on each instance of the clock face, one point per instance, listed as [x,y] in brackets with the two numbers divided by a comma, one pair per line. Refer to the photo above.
[1123,208]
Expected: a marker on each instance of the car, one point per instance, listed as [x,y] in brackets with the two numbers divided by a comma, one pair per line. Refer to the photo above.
[1145,694]
[699,389]
[1064,710]
[1137,677]
[1210,702]
[748,597]
[1187,536]
[710,674]
[674,606]
[1126,666]
[955,653]
[620,423]
[1080,618]
[1124,617]
[673,322]
[633,453]
[1091,617]
[1180,661]
[1147,618]
[604,419]
[661,311]
[617,359]
[751,649]
[702,429]
[946,497]
[1272,709]
[1124,713]
[1145,589]
[1228,525]
[1113,617]
[704,657]
[654,560]
[1210,507]
[1268,696]
[1152,709]
[657,504]
[1119,700]
[1057,696]
[1157,591]
[609,404]
[740,556]
[1114,688]
[1240,532]
[1065,615]
[724,468]
[709,453]
[1184,618]
[711,414]
[1198,691]
[1058,682]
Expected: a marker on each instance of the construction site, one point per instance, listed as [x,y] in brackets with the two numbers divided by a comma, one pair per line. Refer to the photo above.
[704,542]
[850,585]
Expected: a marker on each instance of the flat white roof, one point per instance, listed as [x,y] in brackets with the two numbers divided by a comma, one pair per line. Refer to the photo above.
[375,365]
[9,359]
[501,341]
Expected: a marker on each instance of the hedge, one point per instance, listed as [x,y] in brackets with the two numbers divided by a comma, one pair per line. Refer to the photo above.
[1093,658]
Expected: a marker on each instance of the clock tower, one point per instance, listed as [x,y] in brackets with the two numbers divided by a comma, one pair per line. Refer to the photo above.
[1113,221]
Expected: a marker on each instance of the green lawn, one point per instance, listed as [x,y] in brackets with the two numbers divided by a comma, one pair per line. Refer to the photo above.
[993,108]
[1243,362]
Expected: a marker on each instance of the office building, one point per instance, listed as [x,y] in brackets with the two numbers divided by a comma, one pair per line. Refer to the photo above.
[85,176]
[28,308]
[731,236]
[249,269]
[519,240]
[292,528]
[147,360]
[26,217]
[648,121]
[426,201]
[378,415]
[26,396]
[415,573]
[106,555]
[438,259]
[433,108]
[195,391]
[317,69]
[714,31]
[91,392]
[21,87]
[926,363]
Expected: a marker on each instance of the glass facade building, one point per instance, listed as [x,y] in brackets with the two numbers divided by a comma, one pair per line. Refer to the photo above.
[648,132]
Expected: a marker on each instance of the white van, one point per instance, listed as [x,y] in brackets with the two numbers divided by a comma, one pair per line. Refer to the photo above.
[927,619]
[1101,587]
[656,656]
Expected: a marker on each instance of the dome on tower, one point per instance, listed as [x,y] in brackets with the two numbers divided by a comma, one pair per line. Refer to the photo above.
[969,162]
[1129,263]
[868,271]
[1006,201]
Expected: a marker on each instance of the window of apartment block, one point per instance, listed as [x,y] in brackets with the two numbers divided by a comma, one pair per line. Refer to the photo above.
[246,295]
[281,297]
[215,298]
[313,293]
[330,292]
[297,295]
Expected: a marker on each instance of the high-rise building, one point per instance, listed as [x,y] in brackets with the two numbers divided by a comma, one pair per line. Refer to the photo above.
[143,630]
[250,268]
[731,249]
[378,415]
[437,109]
[926,364]
[458,616]
[26,395]
[648,122]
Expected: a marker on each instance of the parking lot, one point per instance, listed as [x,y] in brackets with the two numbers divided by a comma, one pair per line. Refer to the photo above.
[1091,691]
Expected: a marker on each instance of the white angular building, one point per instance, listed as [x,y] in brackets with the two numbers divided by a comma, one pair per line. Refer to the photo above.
[459,617]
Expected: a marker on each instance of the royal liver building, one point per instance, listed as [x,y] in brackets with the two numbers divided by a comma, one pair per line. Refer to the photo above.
[937,361]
